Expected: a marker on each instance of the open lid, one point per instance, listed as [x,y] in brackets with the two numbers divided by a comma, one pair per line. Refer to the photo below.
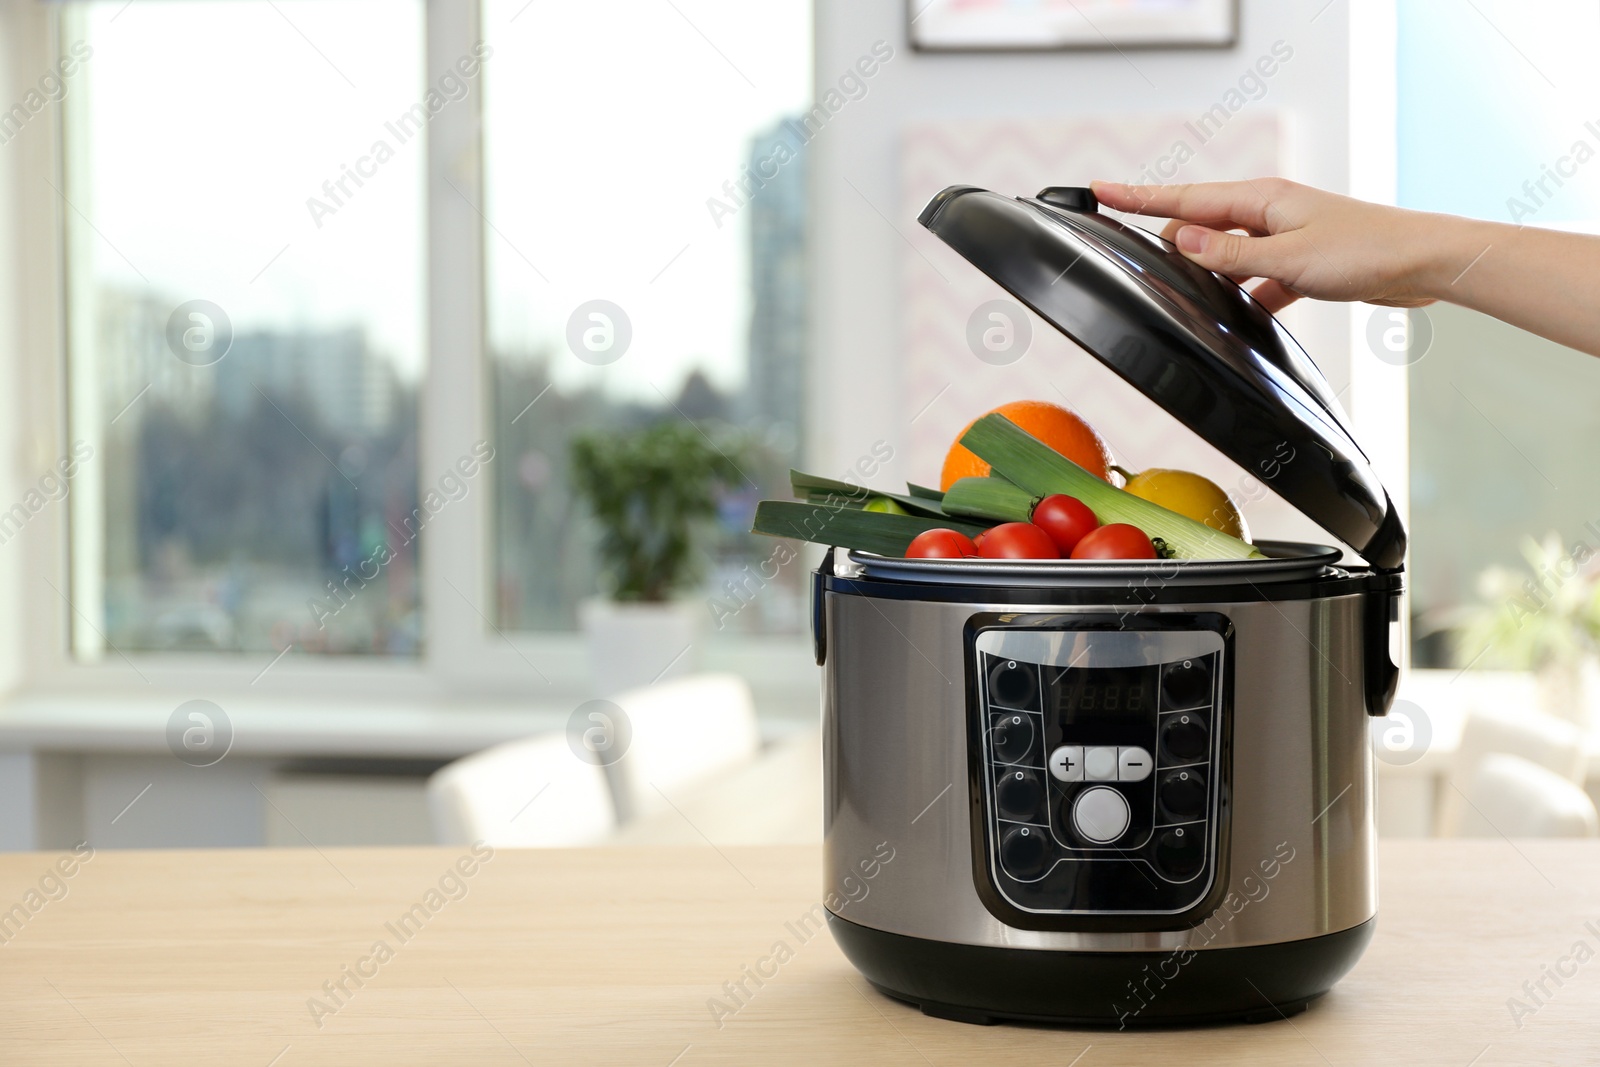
[1192,341]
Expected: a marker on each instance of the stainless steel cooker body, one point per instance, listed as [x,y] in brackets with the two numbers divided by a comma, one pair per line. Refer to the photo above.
[1118,793]
[929,721]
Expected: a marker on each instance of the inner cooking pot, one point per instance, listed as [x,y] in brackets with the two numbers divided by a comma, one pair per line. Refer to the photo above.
[1285,560]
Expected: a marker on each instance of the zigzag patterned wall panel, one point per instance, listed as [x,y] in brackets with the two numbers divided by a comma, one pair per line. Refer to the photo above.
[945,383]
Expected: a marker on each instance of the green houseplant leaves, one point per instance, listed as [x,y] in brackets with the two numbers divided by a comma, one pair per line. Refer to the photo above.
[649,489]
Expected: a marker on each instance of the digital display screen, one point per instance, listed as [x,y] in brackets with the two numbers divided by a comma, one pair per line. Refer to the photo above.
[1093,696]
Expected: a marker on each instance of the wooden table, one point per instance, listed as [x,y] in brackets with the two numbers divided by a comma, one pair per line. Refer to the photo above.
[610,956]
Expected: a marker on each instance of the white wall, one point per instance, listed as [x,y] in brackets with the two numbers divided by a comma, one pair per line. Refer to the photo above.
[18,26]
[856,256]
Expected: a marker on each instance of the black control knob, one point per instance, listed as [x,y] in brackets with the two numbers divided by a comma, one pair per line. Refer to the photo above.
[1185,738]
[1023,852]
[1014,685]
[1011,736]
[1186,684]
[1180,852]
[1183,794]
[1020,795]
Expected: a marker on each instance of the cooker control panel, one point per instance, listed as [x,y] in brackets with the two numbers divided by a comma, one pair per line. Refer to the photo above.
[1099,753]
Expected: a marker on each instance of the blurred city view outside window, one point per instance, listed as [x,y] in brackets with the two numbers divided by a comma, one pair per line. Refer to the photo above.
[245,367]
[246,302]
[626,193]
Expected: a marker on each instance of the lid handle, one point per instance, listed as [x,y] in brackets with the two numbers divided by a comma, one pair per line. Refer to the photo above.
[1071,197]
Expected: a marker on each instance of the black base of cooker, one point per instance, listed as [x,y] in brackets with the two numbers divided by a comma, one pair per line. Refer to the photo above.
[984,985]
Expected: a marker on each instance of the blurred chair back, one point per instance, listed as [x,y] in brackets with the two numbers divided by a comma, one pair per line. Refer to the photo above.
[1515,797]
[684,732]
[534,793]
[1536,737]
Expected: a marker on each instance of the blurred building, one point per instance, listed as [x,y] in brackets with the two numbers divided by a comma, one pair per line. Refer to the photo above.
[133,356]
[352,391]
[333,373]
[235,492]
[778,315]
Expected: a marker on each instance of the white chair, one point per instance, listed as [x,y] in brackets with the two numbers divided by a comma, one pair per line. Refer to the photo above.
[775,799]
[1536,736]
[1515,797]
[534,793]
[684,732]
[1541,739]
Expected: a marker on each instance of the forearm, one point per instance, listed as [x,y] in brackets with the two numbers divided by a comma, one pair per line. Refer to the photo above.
[1544,281]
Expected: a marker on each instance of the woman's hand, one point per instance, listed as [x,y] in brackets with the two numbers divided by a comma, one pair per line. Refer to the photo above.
[1305,242]
[1301,241]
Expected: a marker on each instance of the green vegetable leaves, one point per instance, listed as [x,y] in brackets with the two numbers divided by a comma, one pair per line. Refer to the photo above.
[887,535]
[994,499]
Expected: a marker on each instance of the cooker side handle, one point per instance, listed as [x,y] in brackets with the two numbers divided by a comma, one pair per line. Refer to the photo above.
[1382,674]
[819,613]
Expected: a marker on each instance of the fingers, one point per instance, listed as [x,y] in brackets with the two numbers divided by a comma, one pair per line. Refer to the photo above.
[1169,232]
[1226,205]
[1202,214]
[1232,254]
[1274,296]
[1420,302]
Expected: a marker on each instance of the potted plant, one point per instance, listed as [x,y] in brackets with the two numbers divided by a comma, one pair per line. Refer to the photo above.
[1546,621]
[651,490]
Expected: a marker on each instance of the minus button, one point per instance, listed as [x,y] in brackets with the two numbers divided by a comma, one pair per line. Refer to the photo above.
[1133,764]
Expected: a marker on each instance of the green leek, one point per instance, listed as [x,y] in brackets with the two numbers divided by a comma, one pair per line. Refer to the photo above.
[887,535]
[819,490]
[995,499]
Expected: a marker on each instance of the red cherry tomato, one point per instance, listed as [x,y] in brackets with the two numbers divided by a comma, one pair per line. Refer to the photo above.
[1066,519]
[1018,540]
[941,544]
[1116,541]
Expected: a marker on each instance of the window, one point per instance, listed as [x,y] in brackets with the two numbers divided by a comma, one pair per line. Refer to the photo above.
[1490,111]
[244,189]
[246,309]
[618,189]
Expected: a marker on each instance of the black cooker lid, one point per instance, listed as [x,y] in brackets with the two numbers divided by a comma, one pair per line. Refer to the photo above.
[1192,341]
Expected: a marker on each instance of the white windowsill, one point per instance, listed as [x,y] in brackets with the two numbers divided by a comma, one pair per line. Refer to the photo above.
[378,713]
[266,726]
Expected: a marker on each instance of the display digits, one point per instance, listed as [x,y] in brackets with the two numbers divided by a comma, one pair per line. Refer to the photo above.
[1087,695]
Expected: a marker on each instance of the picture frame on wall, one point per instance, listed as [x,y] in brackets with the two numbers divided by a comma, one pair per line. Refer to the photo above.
[1051,25]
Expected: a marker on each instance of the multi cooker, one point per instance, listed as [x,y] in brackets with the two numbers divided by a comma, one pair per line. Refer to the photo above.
[1119,793]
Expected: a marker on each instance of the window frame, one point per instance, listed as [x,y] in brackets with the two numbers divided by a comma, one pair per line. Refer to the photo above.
[465,657]
[1379,392]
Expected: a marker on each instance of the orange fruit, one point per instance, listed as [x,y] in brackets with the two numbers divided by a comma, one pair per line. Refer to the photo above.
[1050,423]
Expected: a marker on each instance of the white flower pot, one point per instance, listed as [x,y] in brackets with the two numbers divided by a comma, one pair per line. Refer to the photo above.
[633,644]
[1569,691]
[1589,687]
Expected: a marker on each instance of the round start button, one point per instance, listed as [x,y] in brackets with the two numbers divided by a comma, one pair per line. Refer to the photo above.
[1100,815]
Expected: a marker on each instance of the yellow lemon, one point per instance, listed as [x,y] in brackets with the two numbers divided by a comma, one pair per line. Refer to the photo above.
[1190,495]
